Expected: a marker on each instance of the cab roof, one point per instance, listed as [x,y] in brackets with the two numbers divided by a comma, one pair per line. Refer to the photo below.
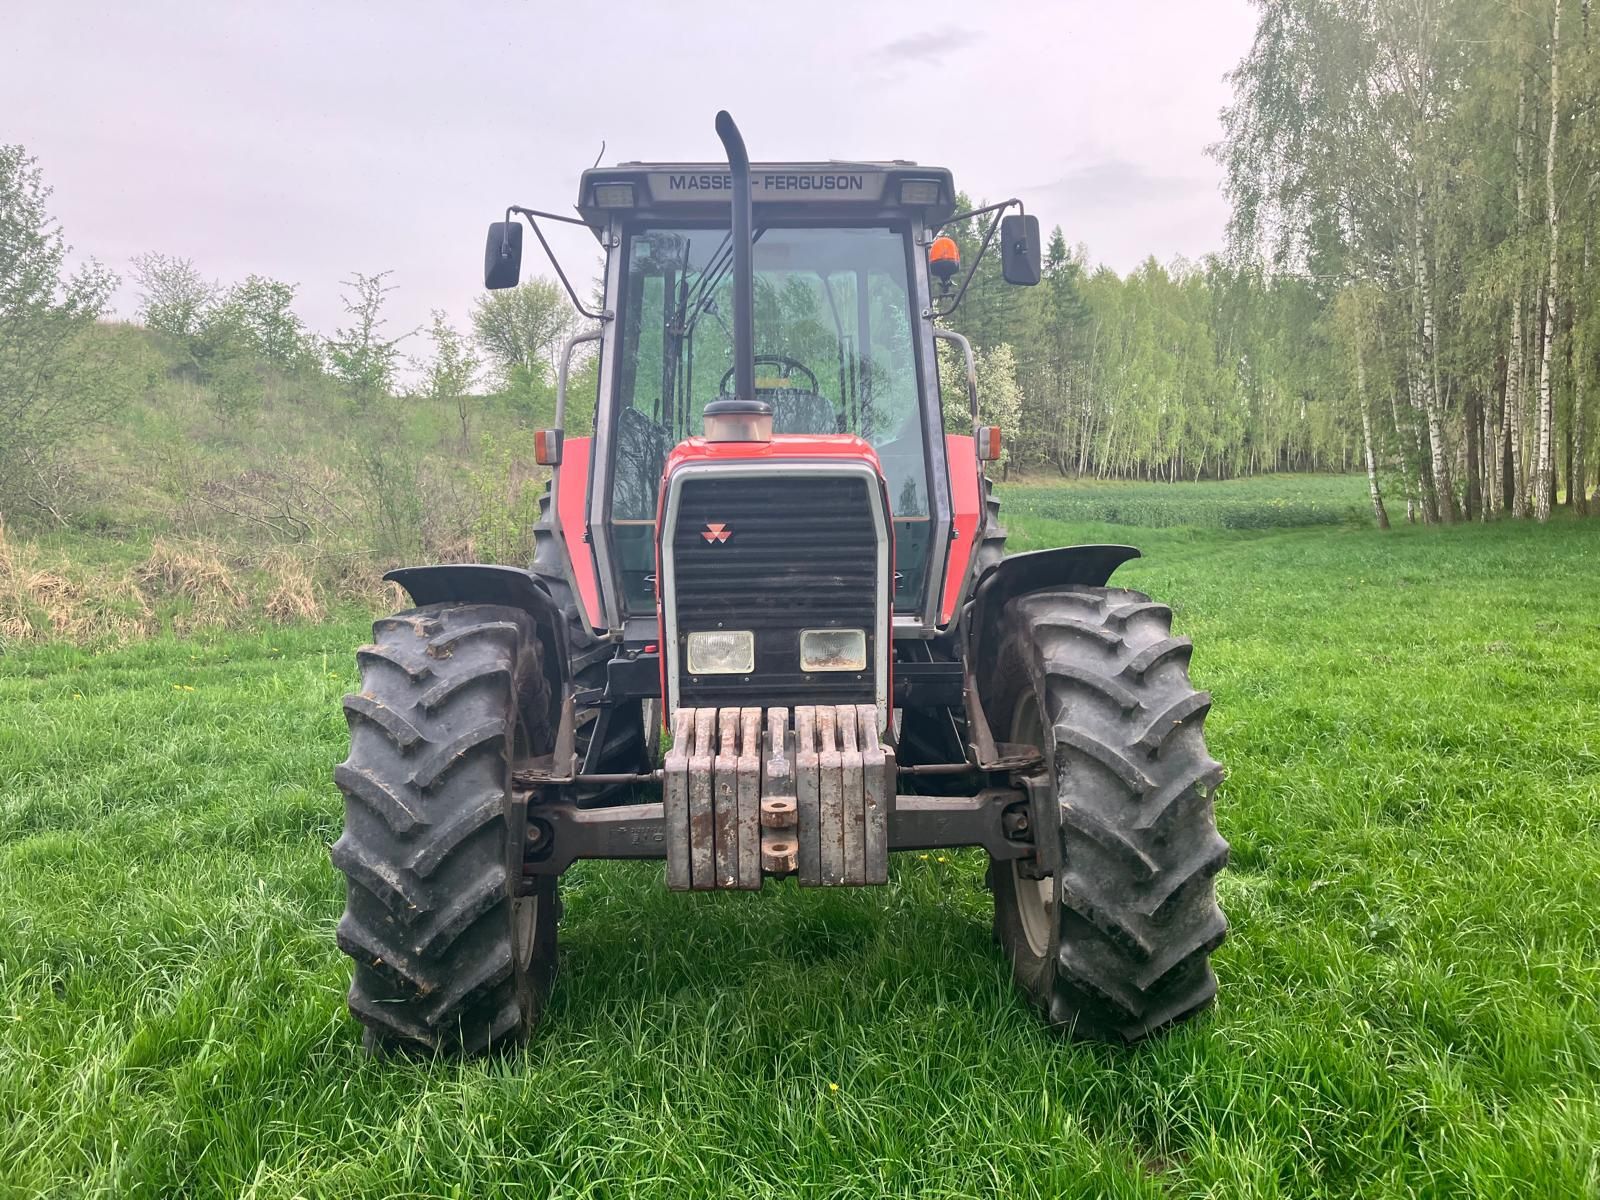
[702,190]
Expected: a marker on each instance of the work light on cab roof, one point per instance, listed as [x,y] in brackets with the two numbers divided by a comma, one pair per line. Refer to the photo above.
[769,546]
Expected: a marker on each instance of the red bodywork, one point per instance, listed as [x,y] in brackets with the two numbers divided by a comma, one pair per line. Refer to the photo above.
[966,500]
[784,445]
[571,496]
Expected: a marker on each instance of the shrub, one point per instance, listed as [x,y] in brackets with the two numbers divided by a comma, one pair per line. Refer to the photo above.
[505,495]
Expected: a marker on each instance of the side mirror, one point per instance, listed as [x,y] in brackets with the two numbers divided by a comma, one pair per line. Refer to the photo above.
[502,255]
[1019,249]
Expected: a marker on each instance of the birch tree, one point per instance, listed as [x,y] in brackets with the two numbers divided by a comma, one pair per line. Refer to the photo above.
[1353,311]
[1583,358]
[1515,416]
[1545,476]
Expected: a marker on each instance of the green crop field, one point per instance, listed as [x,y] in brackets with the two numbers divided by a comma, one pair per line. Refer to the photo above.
[1410,994]
[1262,502]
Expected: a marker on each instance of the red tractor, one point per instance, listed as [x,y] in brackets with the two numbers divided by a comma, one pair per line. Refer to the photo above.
[771,549]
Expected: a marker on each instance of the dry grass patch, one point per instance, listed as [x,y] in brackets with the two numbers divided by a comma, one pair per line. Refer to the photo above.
[292,594]
[48,594]
[45,603]
[196,573]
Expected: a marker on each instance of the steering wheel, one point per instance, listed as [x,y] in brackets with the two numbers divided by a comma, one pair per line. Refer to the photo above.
[773,360]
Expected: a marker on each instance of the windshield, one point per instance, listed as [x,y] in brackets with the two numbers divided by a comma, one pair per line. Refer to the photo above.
[835,353]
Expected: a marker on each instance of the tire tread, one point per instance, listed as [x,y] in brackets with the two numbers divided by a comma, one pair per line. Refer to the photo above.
[428,906]
[1137,912]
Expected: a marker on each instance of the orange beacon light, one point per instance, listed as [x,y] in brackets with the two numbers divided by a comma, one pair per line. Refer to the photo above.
[944,260]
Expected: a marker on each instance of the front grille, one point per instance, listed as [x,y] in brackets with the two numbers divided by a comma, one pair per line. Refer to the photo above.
[800,553]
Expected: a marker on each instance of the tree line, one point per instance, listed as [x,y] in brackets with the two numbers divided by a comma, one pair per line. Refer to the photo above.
[1407,289]
[230,332]
[1185,371]
[1408,285]
[1428,168]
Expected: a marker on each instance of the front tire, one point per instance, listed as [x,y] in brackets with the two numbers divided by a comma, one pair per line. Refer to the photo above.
[1115,945]
[448,958]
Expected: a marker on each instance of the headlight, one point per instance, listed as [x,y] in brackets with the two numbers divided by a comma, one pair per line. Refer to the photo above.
[722,652]
[833,650]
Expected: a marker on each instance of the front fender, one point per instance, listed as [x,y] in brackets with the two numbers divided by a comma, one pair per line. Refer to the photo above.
[490,583]
[1018,574]
[1013,576]
[1036,572]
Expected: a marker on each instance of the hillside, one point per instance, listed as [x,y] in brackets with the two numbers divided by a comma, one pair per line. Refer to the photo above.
[189,508]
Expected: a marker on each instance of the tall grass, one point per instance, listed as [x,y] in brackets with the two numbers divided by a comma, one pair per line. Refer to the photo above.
[196,514]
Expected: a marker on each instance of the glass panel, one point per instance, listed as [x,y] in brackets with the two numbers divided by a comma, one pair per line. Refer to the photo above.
[834,354]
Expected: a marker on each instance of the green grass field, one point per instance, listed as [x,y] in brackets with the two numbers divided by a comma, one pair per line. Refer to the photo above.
[1410,999]
[1270,502]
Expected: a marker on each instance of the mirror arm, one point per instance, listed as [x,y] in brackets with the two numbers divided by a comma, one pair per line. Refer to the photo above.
[978,212]
[999,211]
[529,214]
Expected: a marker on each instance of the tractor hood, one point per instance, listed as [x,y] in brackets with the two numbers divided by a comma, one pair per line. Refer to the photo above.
[779,558]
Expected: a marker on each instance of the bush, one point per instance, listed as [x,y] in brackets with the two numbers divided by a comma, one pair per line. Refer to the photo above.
[505,499]
[393,502]
[235,388]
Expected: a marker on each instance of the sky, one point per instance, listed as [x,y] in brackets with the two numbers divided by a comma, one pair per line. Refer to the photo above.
[306,141]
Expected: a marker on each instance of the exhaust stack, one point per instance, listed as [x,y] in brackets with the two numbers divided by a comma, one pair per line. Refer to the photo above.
[744,364]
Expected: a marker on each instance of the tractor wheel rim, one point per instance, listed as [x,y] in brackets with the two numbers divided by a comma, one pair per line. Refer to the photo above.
[524,920]
[1035,897]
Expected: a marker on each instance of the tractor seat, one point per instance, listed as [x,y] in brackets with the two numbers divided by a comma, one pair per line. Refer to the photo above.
[795,410]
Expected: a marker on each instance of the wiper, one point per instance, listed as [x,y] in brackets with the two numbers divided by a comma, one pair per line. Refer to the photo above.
[716,271]
[846,400]
[716,314]
[712,265]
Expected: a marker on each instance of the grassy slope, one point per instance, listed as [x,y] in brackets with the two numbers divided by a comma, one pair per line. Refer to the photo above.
[184,516]
[1409,993]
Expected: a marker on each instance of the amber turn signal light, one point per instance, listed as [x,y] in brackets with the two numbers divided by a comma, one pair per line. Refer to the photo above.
[547,447]
[988,438]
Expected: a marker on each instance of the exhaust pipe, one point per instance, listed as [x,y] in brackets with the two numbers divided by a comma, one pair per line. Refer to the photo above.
[744,362]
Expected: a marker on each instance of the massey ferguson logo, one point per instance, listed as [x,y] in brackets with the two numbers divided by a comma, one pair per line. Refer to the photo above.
[716,534]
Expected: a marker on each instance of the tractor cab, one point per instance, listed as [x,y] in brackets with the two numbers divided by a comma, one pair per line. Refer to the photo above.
[842,312]
[836,352]
[840,343]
